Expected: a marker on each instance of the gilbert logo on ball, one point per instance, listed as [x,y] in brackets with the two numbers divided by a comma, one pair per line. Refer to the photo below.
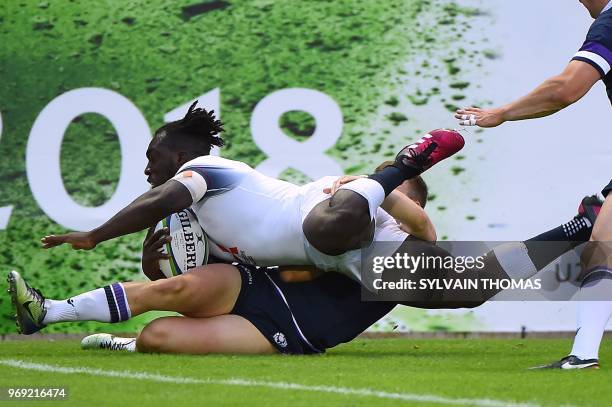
[189,245]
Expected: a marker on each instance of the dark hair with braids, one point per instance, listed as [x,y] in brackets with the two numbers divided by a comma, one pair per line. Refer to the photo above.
[197,131]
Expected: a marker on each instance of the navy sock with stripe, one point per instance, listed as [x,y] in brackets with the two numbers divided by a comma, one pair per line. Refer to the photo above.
[559,240]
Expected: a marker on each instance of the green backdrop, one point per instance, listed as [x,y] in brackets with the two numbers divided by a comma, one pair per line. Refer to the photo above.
[160,54]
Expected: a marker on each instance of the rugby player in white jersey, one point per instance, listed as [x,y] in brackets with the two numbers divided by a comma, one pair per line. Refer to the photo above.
[589,65]
[259,220]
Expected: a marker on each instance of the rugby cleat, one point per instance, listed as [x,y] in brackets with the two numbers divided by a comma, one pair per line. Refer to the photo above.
[571,362]
[29,304]
[108,341]
[430,149]
[589,208]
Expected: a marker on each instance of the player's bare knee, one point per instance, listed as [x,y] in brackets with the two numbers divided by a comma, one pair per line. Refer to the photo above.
[152,338]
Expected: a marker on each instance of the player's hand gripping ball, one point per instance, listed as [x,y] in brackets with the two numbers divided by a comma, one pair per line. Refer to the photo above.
[188,246]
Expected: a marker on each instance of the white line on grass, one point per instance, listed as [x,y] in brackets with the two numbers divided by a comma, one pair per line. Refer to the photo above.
[363,392]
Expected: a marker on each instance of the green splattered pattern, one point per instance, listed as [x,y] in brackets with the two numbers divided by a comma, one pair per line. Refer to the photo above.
[375,59]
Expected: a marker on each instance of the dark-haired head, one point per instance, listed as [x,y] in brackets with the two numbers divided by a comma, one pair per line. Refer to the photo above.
[180,141]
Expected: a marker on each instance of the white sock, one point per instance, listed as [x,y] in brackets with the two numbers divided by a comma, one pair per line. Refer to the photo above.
[107,304]
[514,259]
[371,190]
[592,318]
[59,311]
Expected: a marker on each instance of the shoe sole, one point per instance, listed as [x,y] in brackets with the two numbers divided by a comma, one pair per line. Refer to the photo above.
[575,367]
[23,328]
[579,367]
[12,290]
[455,149]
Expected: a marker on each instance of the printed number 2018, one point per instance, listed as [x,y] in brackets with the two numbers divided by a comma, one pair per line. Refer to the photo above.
[45,141]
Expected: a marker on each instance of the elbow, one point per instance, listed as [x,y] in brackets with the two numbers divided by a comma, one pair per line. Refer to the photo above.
[169,203]
[564,94]
[426,230]
[429,234]
[162,207]
[170,206]
[566,98]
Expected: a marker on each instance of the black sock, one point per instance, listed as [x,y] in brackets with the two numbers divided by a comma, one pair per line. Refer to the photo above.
[392,177]
[546,247]
[577,230]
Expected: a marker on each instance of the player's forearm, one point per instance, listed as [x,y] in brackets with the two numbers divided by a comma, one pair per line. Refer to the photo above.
[548,98]
[144,211]
[411,215]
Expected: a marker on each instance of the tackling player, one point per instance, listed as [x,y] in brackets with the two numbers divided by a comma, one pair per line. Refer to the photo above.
[589,65]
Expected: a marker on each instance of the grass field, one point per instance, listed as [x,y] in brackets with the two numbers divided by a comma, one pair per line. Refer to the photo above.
[364,372]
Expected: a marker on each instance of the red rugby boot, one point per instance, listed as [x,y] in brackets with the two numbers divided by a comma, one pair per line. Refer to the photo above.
[430,149]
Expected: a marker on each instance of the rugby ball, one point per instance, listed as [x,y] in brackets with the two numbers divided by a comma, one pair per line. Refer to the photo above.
[188,248]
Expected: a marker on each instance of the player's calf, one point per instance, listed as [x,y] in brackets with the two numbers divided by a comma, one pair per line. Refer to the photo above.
[171,293]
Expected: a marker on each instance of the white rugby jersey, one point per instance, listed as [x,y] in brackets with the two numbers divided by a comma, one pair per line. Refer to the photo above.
[248,217]
[255,219]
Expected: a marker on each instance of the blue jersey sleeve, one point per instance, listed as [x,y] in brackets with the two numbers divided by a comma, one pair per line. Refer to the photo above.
[597,48]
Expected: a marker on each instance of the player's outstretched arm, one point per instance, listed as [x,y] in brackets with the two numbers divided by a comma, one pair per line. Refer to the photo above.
[144,211]
[412,217]
[552,95]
